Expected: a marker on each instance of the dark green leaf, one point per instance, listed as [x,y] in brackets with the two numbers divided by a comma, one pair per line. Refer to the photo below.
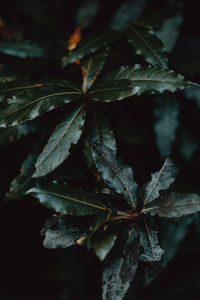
[21,49]
[68,131]
[193,94]
[127,13]
[137,80]
[27,100]
[86,12]
[176,205]
[166,123]
[115,173]
[160,180]
[188,145]
[89,45]
[146,43]
[91,67]
[63,232]
[121,265]
[98,132]
[68,200]
[148,233]
[169,31]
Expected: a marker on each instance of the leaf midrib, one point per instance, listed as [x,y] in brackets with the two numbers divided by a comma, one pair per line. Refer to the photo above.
[73,199]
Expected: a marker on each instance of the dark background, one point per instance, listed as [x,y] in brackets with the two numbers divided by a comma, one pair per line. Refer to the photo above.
[27,269]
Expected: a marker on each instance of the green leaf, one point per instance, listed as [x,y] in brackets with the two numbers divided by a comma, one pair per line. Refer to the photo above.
[92,66]
[146,43]
[137,80]
[115,173]
[68,200]
[188,145]
[127,13]
[98,132]
[86,13]
[103,242]
[169,31]
[26,100]
[68,131]
[63,232]
[89,45]
[166,123]
[176,205]
[21,49]
[149,240]
[121,265]
[160,180]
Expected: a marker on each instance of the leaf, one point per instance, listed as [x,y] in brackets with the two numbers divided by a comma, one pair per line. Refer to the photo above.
[169,31]
[68,200]
[63,232]
[160,180]
[166,123]
[172,234]
[68,131]
[89,45]
[154,18]
[175,205]
[11,134]
[127,13]
[149,240]
[188,145]
[146,43]
[26,100]
[103,242]
[21,48]
[137,80]
[91,67]
[86,12]
[98,132]
[115,173]
[193,94]
[121,265]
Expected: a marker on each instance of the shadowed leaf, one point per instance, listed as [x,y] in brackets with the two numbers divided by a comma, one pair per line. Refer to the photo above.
[21,49]
[115,173]
[121,265]
[68,200]
[98,132]
[63,232]
[176,205]
[89,45]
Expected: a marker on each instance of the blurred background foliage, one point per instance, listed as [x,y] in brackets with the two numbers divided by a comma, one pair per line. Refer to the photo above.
[149,130]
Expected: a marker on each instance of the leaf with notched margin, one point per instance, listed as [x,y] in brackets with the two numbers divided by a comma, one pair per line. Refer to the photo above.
[115,173]
[98,132]
[176,205]
[27,100]
[68,200]
[160,180]
[135,81]
[120,265]
[146,43]
[89,45]
[63,232]
[68,131]
[148,234]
